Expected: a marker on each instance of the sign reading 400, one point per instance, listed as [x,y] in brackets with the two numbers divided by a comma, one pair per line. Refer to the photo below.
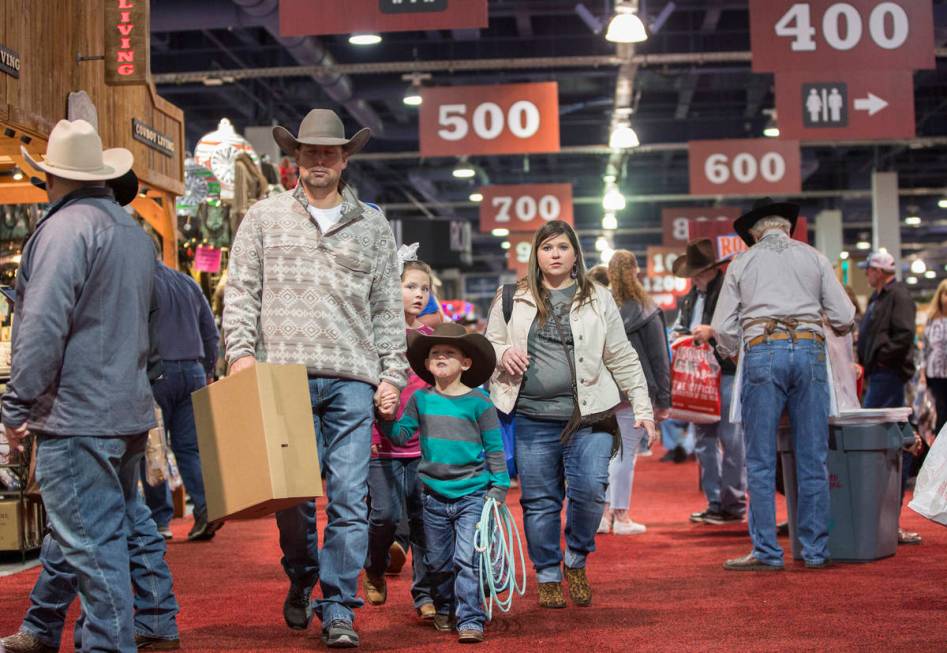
[504,119]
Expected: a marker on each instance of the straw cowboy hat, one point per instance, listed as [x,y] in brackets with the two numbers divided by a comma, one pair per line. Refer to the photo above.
[765,208]
[475,346]
[321,127]
[698,257]
[75,152]
[125,187]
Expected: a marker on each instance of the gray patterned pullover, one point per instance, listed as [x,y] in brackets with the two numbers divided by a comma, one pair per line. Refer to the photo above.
[330,301]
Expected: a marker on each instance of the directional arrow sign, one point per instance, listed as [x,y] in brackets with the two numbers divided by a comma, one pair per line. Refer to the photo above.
[841,105]
[872,104]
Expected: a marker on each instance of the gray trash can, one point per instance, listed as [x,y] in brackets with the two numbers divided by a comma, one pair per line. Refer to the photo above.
[864,464]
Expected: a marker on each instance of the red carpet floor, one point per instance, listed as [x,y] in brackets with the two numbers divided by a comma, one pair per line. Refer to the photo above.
[662,591]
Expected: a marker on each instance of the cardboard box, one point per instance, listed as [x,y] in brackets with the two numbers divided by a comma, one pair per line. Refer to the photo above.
[32,518]
[257,442]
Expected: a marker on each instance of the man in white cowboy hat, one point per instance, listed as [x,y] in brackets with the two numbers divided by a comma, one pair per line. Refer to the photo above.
[719,445]
[314,280]
[79,382]
[770,312]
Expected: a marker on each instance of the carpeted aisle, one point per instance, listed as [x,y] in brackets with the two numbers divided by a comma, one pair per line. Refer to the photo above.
[662,591]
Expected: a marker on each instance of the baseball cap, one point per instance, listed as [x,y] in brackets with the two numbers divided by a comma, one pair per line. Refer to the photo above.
[881,260]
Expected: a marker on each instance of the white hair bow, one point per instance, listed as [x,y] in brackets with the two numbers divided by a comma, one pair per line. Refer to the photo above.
[407,253]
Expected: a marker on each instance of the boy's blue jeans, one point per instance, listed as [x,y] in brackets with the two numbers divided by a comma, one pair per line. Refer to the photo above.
[449,527]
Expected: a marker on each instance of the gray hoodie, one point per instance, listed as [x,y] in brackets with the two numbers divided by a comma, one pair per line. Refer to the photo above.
[644,327]
[81,328]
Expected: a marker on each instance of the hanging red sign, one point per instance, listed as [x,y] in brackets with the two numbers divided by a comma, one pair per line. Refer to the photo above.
[517,256]
[660,282]
[127,41]
[313,17]
[496,119]
[524,207]
[675,222]
[830,105]
[853,35]
[728,244]
[754,166]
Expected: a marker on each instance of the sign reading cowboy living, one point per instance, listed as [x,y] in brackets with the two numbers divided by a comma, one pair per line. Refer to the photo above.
[126,41]
[152,138]
[9,62]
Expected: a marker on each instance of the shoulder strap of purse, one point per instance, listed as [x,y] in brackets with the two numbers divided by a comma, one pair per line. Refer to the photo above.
[565,348]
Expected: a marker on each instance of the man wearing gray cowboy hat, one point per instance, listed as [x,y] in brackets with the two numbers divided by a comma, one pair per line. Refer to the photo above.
[79,383]
[770,312]
[314,280]
[723,465]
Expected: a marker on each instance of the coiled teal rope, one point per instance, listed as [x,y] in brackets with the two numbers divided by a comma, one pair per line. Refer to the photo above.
[498,542]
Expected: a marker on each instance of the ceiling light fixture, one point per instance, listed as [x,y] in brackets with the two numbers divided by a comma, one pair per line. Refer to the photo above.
[412,98]
[464,170]
[918,266]
[505,244]
[365,39]
[771,131]
[610,222]
[912,220]
[930,274]
[601,244]
[942,203]
[912,281]
[500,232]
[613,200]
[476,197]
[623,137]
[607,256]
[17,174]
[625,26]
[843,255]
[863,245]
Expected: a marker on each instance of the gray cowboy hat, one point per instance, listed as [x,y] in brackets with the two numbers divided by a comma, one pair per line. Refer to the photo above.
[698,256]
[475,346]
[321,127]
[765,208]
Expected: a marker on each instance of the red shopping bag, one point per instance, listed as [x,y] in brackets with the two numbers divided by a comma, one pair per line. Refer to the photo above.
[695,382]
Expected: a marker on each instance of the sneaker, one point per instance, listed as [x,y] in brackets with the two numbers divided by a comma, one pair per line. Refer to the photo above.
[628,527]
[551,596]
[605,526]
[707,516]
[297,610]
[470,636]
[203,529]
[376,589]
[165,532]
[580,591]
[396,557]
[144,642]
[442,623]
[22,642]
[732,518]
[749,563]
[340,634]
[819,564]
[426,611]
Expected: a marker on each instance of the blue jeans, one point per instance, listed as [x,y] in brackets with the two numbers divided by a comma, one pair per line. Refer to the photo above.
[780,375]
[675,433]
[57,586]
[722,472]
[886,390]
[449,527]
[551,472]
[621,468]
[173,394]
[342,413]
[393,485]
[90,488]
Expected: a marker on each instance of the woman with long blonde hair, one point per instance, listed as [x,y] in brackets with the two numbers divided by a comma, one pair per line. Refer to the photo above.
[644,328]
[935,353]
[563,364]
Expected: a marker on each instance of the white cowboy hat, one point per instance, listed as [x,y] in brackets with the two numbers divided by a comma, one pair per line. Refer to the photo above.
[321,127]
[75,152]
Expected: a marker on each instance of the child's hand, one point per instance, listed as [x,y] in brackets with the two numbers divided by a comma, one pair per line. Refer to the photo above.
[386,400]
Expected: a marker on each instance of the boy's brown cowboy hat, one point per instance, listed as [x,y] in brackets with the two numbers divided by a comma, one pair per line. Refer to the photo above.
[698,257]
[321,127]
[475,346]
[765,208]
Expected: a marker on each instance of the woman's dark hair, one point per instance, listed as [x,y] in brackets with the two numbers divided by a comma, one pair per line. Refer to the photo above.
[599,274]
[534,276]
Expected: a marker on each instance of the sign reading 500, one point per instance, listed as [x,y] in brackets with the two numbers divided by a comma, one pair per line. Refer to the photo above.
[503,119]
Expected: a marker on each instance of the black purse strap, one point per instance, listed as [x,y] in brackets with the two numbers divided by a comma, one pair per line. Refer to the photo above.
[575,422]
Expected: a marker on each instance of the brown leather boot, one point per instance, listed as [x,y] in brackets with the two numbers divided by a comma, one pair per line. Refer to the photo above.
[22,642]
[376,589]
[551,596]
[579,589]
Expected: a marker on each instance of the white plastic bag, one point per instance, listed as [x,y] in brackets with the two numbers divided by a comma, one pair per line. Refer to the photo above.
[930,491]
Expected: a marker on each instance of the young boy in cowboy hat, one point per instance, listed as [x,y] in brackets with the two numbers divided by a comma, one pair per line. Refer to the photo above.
[462,463]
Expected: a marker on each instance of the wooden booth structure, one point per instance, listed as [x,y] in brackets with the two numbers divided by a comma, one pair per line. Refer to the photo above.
[49,50]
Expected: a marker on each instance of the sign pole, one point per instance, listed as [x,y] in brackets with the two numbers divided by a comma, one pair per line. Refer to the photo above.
[885,214]
[828,233]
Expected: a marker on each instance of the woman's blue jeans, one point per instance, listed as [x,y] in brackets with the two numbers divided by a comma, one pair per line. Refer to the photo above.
[549,473]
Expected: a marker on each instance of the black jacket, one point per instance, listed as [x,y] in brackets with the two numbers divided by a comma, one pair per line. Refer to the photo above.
[886,338]
[686,306]
[645,330]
